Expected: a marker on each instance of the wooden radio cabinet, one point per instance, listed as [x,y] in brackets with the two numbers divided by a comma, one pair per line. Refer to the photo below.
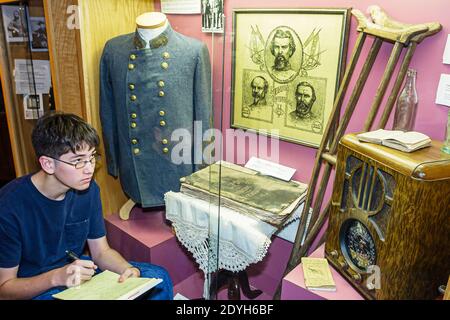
[388,232]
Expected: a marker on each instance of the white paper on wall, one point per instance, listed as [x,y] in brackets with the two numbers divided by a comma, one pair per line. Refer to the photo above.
[32,77]
[181,6]
[443,92]
[446,58]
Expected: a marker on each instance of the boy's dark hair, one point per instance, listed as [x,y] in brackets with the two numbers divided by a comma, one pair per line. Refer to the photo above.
[57,133]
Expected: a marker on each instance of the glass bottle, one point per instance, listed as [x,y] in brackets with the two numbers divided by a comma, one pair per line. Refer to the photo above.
[405,112]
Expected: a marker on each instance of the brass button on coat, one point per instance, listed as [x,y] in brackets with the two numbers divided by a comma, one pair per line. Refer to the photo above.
[164,65]
[162,123]
[131,86]
[165,141]
[161,84]
[133,125]
[134,141]
[131,66]
[133,116]
[166,55]
[133,97]
[133,57]
[136,151]
[161,93]
[166,150]
[162,113]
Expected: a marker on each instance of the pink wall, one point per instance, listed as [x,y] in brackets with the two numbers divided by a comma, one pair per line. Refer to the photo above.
[431,118]
[427,60]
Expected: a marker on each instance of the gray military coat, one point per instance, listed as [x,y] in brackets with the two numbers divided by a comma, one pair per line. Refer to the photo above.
[145,94]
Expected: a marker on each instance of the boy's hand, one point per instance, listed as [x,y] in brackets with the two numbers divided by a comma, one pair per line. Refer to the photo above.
[74,274]
[130,272]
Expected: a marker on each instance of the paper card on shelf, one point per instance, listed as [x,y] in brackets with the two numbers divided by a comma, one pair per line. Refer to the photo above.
[446,58]
[443,91]
[270,168]
[181,6]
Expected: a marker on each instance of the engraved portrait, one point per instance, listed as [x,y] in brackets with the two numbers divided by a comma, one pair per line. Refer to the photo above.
[283,55]
[306,104]
[257,96]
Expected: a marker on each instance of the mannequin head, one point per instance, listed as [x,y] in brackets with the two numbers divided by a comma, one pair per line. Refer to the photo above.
[151,24]
[151,20]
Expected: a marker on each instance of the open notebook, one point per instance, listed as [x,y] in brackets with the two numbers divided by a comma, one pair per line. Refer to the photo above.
[403,141]
[105,286]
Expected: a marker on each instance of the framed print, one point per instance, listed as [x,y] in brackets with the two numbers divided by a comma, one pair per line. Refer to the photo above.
[38,38]
[287,66]
[15,23]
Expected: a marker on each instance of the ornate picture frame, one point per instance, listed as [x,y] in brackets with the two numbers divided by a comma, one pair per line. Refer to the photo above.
[287,65]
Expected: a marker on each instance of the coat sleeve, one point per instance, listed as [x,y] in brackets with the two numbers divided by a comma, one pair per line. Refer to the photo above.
[107,115]
[203,105]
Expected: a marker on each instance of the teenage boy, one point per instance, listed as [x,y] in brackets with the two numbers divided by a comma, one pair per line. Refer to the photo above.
[46,215]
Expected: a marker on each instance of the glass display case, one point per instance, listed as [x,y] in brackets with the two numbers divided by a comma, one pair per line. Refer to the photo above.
[26,75]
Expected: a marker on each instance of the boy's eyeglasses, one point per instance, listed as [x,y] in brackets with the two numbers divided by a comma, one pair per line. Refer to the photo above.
[80,164]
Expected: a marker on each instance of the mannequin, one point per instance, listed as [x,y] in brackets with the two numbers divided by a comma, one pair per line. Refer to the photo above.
[152,82]
[151,24]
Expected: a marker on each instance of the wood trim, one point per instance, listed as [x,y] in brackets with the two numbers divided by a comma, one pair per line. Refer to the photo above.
[52,53]
[65,54]
[447,290]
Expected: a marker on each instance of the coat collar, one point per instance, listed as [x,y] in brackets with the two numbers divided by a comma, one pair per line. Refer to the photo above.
[160,41]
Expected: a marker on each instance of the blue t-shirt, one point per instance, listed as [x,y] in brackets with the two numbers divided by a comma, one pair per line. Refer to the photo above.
[35,231]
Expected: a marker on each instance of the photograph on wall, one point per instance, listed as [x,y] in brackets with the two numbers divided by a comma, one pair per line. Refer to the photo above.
[38,32]
[15,23]
[33,106]
[212,16]
[286,69]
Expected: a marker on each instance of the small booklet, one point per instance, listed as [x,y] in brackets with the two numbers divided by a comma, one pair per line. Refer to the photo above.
[403,141]
[318,274]
[105,286]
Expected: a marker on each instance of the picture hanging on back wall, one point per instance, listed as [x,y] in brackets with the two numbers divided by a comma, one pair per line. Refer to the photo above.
[38,32]
[212,16]
[15,23]
[286,70]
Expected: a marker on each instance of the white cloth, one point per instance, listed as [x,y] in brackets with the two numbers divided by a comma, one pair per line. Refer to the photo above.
[218,239]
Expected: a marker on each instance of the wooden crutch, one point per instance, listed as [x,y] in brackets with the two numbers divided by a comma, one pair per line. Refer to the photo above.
[383,28]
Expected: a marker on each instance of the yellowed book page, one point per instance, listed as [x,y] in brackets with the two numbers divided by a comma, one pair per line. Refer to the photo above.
[412,138]
[317,273]
[378,135]
[105,286]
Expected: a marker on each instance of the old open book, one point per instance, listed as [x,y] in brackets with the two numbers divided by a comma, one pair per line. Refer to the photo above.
[403,141]
[105,286]
[246,191]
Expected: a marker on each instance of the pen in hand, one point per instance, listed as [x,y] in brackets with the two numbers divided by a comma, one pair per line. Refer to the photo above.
[74,257]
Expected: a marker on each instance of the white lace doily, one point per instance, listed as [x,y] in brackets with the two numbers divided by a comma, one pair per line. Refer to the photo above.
[218,239]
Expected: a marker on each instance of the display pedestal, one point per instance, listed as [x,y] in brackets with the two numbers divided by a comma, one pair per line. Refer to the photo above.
[146,237]
[293,285]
